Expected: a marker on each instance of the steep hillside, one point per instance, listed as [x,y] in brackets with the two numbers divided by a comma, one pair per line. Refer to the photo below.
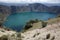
[34,7]
[50,32]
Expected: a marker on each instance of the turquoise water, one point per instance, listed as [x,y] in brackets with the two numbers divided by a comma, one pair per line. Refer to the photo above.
[16,21]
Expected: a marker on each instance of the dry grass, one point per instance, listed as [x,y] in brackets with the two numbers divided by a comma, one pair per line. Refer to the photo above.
[54,20]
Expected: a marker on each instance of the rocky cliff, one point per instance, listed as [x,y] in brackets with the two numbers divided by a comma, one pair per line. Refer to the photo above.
[4,9]
[35,7]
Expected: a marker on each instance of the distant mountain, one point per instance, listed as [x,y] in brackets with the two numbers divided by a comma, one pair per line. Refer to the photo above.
[55,9]
[33,7]
[4,9]
[20,4]
[38,7]
[51,4]
[13,4]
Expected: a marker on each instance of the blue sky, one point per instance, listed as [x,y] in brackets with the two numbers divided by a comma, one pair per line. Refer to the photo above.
[30,1]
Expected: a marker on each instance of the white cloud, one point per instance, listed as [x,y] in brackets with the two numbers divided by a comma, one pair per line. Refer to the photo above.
[30,1]
[50,1]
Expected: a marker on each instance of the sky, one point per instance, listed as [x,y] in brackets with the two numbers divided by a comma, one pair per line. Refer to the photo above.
[30,1]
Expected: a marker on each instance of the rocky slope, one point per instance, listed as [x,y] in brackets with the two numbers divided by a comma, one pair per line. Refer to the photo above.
[35,7]
[4,12]
[6,34]
[4,9]
[50,32]
[54,9]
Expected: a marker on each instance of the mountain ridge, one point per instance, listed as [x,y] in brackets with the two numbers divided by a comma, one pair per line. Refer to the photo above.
[37,7]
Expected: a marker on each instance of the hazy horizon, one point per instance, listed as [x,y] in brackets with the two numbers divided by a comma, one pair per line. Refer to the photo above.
[18,2]
[30,1]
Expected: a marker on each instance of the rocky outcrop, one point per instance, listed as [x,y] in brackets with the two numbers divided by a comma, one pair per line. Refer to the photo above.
[7,34]
[50,32]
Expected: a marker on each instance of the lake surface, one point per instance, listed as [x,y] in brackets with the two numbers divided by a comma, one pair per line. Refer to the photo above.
[16,21]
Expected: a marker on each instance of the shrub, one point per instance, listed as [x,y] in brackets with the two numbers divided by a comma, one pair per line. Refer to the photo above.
[4,37]
[27,26]
[44,24]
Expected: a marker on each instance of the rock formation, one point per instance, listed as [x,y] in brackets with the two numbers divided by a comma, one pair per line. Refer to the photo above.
[6,34]
[50,32]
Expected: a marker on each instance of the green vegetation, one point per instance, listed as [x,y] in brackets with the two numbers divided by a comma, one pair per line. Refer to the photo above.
[1,23]
[33,21]
[44,24]
[19,36]
[54,20]
[4,37]
[29,25]
[58,15]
